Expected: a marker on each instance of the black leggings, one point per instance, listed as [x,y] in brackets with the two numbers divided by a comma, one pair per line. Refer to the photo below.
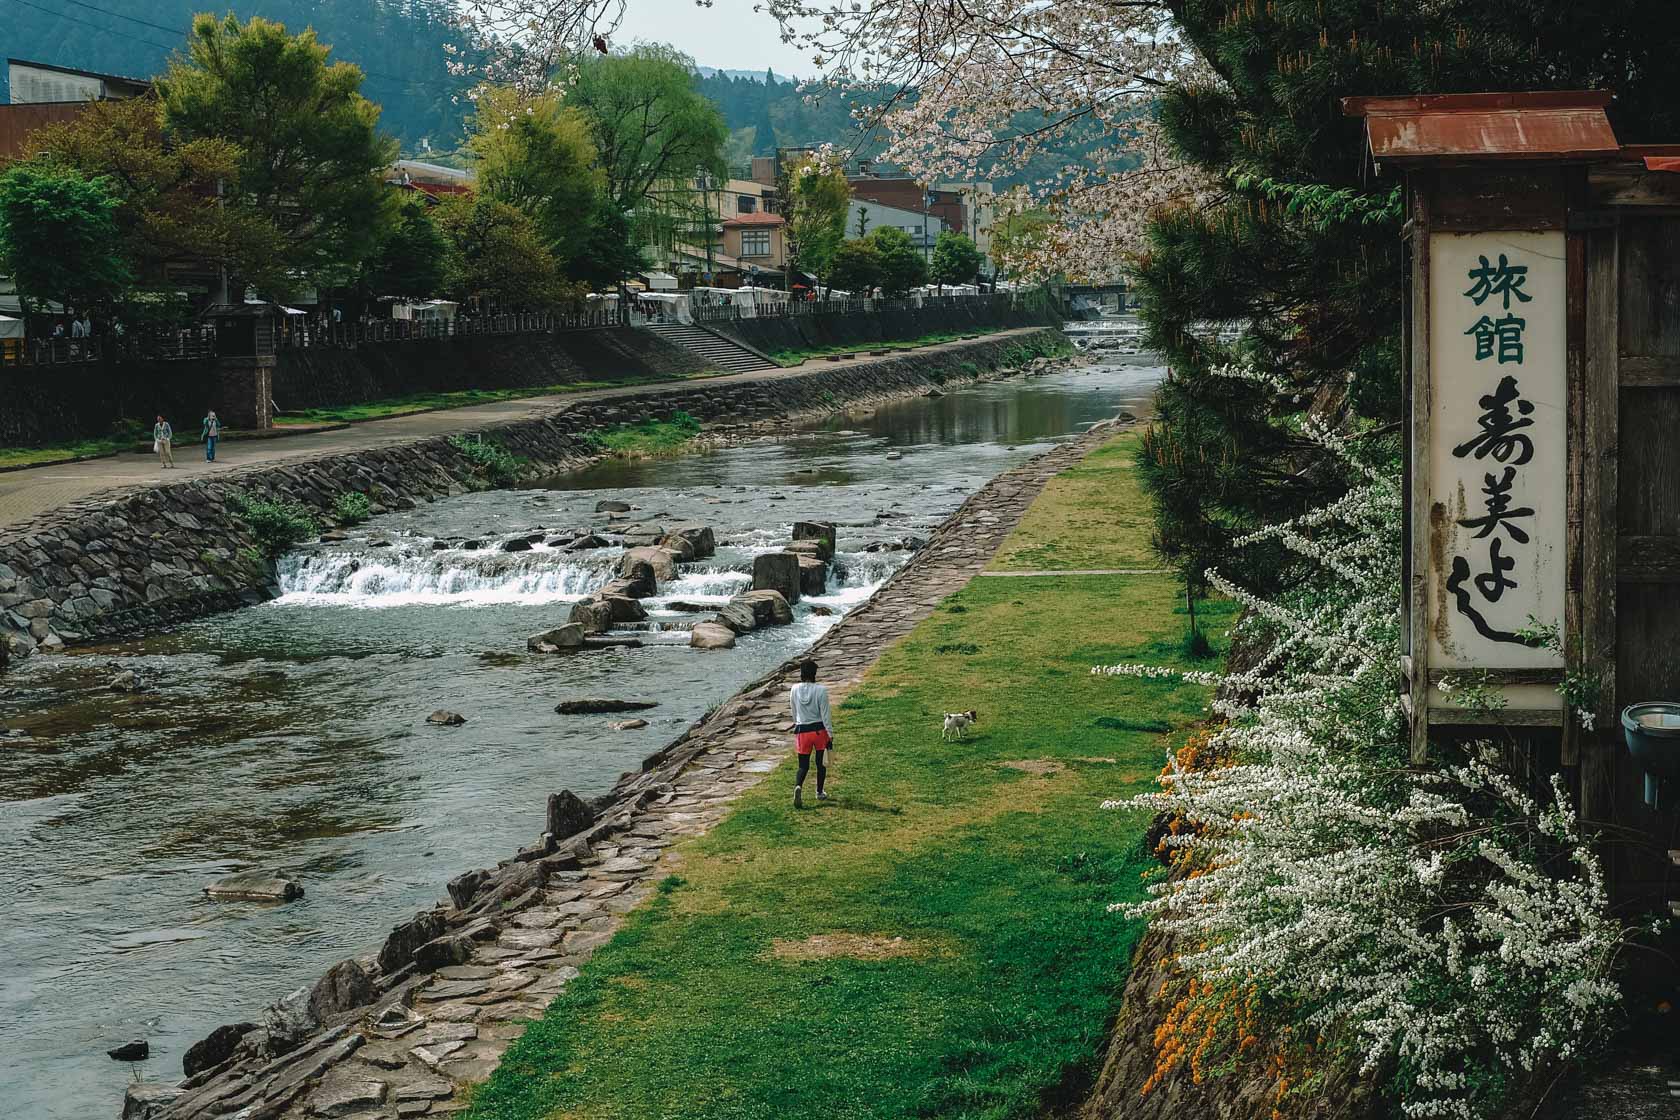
[805,768]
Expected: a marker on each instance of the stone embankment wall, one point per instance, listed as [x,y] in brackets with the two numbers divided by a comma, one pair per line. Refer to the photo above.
[407,1031]
[817,332]
[83,400]
[105,568]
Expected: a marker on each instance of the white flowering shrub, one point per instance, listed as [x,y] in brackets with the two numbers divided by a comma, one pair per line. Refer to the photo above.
[1441,927]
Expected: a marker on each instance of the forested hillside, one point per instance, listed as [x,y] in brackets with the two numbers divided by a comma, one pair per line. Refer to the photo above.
[764,111]
[399,43]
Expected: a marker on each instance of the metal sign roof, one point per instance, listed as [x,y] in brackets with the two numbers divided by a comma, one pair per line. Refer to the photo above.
[1487,126]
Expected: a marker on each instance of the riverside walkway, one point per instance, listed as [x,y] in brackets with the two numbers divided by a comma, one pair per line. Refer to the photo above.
[27,493]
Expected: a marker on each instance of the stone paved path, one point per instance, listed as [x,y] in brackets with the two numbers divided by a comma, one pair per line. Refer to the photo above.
[27,493]
[432,1034]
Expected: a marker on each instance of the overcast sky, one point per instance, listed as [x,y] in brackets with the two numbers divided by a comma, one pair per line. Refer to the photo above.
[729,35]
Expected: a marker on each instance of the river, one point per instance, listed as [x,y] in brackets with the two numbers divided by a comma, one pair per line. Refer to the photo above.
[292,735]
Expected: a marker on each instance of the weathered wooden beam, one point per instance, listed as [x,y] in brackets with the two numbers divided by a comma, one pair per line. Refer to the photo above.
[1639,371]
[1504,717]
[1599,513]
[1575,358]
[1629,184]
[1647,558]
[1500,676]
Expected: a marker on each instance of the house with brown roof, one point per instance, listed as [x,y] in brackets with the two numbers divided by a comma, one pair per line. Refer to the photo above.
[758,240]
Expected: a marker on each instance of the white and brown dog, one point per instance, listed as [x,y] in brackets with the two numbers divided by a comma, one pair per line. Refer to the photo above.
[958,723]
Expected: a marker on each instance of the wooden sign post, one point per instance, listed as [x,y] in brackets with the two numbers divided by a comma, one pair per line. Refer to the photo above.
[1543,444]
[1492,378]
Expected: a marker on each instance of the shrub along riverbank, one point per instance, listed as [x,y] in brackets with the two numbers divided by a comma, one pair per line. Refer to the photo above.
[936,939]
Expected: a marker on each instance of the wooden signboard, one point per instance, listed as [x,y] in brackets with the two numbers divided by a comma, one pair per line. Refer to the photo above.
[1497,474]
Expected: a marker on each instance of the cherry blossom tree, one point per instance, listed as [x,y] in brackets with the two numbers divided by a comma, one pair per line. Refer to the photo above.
[977,89]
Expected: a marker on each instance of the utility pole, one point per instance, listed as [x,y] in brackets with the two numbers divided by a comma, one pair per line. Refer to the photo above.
[927,201]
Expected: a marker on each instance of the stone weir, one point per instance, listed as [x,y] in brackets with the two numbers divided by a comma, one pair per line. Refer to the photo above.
[136,560]
[407,1030]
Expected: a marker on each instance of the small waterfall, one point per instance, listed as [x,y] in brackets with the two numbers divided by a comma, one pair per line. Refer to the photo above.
[412,572]
[358,576]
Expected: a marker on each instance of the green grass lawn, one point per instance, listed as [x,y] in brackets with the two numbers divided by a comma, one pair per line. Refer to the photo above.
[788,358]
[122,437]
[1074,526]
[989,858]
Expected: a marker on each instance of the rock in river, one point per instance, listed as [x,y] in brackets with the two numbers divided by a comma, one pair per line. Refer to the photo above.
[256,886]
[770,608]
[711,635]
[126,681]
[444,718]
[820,531]
[631,724]
[700,537]
[136,1051]
[214,1048]
[597,705]
[149,1100]
[569,636]
[607,505]
[777,571]
[661,561]
[813,576]
[595,616]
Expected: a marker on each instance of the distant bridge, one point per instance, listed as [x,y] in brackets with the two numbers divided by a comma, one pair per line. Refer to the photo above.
[1090,300]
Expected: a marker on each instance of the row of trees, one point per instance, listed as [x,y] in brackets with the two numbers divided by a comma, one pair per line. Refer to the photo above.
[260,157]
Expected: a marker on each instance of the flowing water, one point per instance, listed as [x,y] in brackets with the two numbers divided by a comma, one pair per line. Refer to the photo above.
[292,736]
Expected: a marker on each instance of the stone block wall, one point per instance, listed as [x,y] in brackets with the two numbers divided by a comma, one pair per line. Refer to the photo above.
[820,331]
[150,557]
[316,378]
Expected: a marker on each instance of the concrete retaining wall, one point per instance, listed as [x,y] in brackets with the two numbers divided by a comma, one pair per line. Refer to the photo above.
[151,557]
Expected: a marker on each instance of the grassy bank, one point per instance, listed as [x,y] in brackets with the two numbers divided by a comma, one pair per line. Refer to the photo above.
[648,438]
[936,940]
[789,358]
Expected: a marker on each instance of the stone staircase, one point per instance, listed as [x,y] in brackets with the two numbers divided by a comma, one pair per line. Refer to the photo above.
[720,352]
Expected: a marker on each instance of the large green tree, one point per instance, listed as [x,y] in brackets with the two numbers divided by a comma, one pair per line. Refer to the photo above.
[816,199]
[58,235]
[903,266]
[609,252]
[411,256]
[536,153]
[497,256]
[956,260]
[856,267]
[650,125]
[311,153]
[169,211]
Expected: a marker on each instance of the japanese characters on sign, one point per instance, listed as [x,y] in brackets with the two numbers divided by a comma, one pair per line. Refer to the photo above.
[1497,457]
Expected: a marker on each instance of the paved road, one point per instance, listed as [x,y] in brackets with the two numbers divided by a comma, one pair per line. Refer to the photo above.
[27,494]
